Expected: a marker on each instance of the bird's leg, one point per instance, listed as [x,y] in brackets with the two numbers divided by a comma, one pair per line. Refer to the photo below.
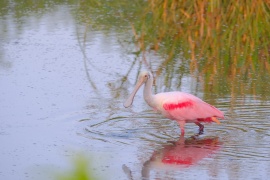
[182,127]
[201,127]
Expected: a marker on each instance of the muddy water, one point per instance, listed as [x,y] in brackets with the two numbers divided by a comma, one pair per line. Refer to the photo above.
[61,94]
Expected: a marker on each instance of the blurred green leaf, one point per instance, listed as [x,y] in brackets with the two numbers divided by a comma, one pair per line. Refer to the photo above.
[80,171]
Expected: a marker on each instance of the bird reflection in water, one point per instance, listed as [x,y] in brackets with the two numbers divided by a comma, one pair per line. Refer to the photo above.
[184,153]
[181,153]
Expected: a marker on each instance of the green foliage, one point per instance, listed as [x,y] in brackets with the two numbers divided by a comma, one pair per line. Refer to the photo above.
[79,172]
[226,43]
[212,34]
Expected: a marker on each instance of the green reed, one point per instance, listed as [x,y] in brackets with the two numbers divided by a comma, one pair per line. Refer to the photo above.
[225,43]
[227,40]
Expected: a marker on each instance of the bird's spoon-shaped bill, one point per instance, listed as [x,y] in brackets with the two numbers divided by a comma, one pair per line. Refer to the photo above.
[129,100]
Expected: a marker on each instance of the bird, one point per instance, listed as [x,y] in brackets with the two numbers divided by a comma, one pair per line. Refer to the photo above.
[178,106]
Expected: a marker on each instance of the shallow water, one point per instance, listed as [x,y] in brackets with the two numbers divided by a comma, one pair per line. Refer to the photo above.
[62,94]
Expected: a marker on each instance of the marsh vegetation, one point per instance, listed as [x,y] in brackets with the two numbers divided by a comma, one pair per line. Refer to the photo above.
[224,44]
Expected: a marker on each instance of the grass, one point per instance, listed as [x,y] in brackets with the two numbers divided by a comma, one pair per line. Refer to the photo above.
[221,42]
[212,34]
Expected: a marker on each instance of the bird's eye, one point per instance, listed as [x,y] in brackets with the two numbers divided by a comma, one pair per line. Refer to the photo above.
[145,76]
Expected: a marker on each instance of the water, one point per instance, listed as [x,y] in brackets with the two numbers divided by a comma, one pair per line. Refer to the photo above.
[61,94]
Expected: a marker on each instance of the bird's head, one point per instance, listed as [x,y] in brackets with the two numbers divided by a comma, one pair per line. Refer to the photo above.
[143,77]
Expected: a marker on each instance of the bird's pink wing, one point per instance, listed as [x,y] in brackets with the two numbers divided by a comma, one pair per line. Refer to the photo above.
[184,106]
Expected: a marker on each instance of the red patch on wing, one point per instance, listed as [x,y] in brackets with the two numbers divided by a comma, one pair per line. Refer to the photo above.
[171,106]
[207,120]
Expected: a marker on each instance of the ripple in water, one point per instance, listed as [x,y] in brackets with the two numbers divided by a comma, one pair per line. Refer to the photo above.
[242,138]
[129,130]
[245,132]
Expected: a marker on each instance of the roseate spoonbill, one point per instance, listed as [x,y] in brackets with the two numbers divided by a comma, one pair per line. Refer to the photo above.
[179,106]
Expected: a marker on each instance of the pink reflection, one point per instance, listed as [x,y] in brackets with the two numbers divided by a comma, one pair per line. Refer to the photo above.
[182,153]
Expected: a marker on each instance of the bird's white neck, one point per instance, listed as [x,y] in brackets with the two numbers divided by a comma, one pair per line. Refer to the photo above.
[147,92]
